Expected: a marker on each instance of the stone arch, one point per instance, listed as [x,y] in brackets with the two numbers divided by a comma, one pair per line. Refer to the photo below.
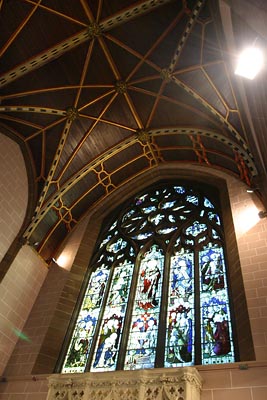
[50,350]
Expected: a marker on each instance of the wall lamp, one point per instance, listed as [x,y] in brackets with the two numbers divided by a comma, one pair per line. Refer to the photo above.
[262,214]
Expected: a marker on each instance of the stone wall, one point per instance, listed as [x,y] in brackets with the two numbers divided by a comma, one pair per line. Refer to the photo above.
[13,192]
[249,260]
[26,352]
[251,233]
[220,382]
[19,290]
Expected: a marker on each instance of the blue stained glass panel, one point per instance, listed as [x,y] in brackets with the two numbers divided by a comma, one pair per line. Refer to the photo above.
[196,229]
[179,189]
[113,226]
[166,230]
[147,210]
[143,236]
[167,204]
[156,219]
[192,199]
[179,349]
[116,246]
[142,341]
[214,217]
[141,199]
[106,240]
[128,215]
[207,203]
[216,334]
[81,341]
[108,342]
[215,234]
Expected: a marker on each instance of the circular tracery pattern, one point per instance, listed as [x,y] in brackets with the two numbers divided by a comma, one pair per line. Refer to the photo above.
[164,211]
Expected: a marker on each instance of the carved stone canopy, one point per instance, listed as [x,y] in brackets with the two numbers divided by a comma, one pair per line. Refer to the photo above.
[156,384]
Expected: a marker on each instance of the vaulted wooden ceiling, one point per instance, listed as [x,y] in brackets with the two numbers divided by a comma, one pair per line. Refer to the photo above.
[97,92]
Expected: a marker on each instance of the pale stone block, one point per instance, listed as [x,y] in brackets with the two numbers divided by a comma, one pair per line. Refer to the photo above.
[254,313]
[261,353]
[251,293]
[251,377]
[232,394]
[260,274]
[262,291]
[263,311]
[16,386]
[259,339]
[216,379]
[259,325]
[259,393]
[206,395]
[253,284]
[36,396]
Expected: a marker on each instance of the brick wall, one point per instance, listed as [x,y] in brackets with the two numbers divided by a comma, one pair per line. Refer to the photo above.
[251,235]
[13,192]
[26,351]
[24,388]
[28,354]
[249,245]
[234,382]
[19,290]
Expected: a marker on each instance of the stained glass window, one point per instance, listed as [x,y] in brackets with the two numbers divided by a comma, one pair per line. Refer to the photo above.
[157,289]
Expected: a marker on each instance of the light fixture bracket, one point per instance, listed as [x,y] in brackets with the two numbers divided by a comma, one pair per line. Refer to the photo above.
[262,214]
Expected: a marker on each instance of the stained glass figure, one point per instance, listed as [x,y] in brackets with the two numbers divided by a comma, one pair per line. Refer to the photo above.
[141,349]
[180,314]
[157,291]
[217,345]
[78,351]
[106,352]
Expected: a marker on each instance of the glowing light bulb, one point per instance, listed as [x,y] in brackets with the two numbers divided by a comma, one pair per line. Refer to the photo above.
[249,63]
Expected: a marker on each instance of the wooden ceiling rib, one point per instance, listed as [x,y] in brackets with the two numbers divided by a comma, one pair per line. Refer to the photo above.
[105,91]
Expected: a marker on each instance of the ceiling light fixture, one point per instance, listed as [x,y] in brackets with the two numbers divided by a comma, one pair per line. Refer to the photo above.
[249,62]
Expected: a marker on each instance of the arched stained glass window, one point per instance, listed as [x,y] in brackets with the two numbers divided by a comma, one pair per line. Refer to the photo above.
[157,292]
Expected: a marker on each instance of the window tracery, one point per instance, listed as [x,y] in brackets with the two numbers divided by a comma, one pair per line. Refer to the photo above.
[157,295]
